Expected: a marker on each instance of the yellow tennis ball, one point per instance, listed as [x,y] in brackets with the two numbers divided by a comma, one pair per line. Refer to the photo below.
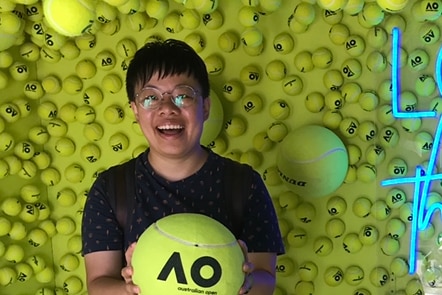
[30,193]
[6,59]
[126,48]
[228,41]
[38,135]
[171,22]
[314,102]
[50,176]
[367,131]
[33,90]
[111,83]
[72,84]
[292,85]
[157,8]
[304,13]
[24,150]
[276,70]
[366,172]
[111,28]
[333,276]
[418,59]
[46,275]
[69,262]
[75,244]
[429,33]
[10,23]
[297,237]
[8,276]
[85,42]
[252,103]
[250,75]
[252,37]
[362,207]
[308,271]
[28,169]
[90,152]
[375,154]
[44,210]
[261,142]
[303,61]
[332,119]
[30,51]
[376,62]
[397,167]
[351,243]
[105,60]
[42,160]
[24,271]
[349,127]
[235,126]
[395,228]
[93,131]
[37,262]
[336,206]
[338,33]
[368,235]
[85,114]
[66,197]
[304,287]
[192,254]
[214,64]
[335,228]
[10,112]
[333,79]
[3,80]
[411,125]
[49,227]
[279,109]
[69,18]
[118,142]
[322,57]
[213,20]
[355,45]
[67,112]
[56,127]
[283,43]
[65,225]
[51,84]
[74,173]
[70,50]
[277,131]
[354,275]
[379,276]
[50,55]
[105,13]
[376,37]
[233,90]
[248,16]
[64,146]
[114,114]
[333,100]
[11,206]
[392,6]
[285,266]
[37,237]
[351,91]
[425,85]
[196,41]
[351,69]
[85,69]
[423,142]
[330,155]
[14,253]
[73,285]
[190,19]
[14,163]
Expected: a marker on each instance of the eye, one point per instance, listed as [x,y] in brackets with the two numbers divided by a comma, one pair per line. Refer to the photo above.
[149,100]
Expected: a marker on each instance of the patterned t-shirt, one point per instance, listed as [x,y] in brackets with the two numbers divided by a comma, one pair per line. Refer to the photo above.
[156,197]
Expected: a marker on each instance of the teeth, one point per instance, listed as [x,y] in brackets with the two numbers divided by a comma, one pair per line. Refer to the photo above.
[170,127]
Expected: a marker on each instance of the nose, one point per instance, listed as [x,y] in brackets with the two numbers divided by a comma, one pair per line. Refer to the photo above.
[167,105]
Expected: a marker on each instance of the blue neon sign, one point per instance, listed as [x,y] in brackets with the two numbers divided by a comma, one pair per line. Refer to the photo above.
[421,216]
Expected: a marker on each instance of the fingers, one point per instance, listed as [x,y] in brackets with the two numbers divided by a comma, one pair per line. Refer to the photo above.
[129,253]
[127,272]
[248,283]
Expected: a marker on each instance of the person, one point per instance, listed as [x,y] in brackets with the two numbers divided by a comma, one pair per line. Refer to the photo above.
[168,88]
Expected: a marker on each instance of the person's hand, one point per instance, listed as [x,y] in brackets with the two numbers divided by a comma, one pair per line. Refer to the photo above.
[247,268]
[127,272]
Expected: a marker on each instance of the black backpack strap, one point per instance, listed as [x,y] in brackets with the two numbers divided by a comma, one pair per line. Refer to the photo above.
[121,191]
[237,186]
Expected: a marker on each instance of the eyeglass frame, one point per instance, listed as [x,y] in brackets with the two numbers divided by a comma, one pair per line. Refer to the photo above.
[196,93]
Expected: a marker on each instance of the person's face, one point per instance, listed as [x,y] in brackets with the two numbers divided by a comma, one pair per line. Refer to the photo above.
[171,130]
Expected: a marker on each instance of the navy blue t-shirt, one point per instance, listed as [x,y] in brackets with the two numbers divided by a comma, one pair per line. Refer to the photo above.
[156,197]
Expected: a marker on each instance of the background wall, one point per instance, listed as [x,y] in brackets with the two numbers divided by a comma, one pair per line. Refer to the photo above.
[336,73]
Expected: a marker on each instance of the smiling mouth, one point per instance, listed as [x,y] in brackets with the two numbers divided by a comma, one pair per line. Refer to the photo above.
[170,129]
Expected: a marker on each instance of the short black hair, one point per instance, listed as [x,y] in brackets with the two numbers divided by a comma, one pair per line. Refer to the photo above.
[167,58]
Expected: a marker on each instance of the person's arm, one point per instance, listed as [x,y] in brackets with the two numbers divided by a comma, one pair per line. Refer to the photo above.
[103,274]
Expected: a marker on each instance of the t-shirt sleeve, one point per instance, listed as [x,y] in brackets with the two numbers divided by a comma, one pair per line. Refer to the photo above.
[100,229]
[261,229]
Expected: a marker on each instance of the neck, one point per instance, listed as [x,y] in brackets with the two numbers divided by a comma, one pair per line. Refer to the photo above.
[178,168]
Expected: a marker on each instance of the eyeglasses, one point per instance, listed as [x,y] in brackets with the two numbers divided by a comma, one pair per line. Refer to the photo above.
[151,98]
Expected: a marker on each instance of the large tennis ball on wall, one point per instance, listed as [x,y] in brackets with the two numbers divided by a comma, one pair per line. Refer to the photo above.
[69,17]
[312,161]
[214,124]
[176,254]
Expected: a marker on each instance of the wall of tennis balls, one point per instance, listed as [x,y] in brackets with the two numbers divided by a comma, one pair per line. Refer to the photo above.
[275,66]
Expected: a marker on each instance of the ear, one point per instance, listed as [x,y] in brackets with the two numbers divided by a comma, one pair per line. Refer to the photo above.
[134,108]
[206,107]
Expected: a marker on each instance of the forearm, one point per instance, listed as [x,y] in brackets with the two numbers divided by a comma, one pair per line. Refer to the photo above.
[108,286]
[263,283]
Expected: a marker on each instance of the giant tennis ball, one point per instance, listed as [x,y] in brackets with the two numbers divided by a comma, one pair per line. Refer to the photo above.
[70,17]
[176,254]
[312,161]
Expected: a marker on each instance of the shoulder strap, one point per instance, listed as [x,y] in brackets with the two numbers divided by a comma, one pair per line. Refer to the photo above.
[121,190]
[237,184]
